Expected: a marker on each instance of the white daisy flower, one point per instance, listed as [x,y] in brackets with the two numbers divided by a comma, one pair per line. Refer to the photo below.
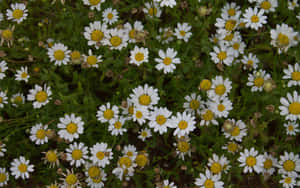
[18,12]
[95,33]
[283,37]
[70,180]
[269,164]
[220,107]
[168,184]
[220,87]
[251,161]
[160,120]
[226,25]
[183,31]
[208,180]
[218,164]
[144,134]
[231,147]
[267,5]
[293,74]
[288,181]
[257,79]
[101,154]
[38,134]
[166,3]
[238,132]
[250,61]
[231,10]
[165,35]
[207,117]
[153,9]
[20,167]
[3,68]
[183,147]
[107,113]
[140,114]
[2,149]
[125,168]
[39,96]
[116,39]
[290,107]
[59,54]
[92,60]
[130,151]
[110,16]
[222,54]
[94,4]
[137,27]
[254,18]
[96,176]
[77,154]
[184,123]
[238,46]
[144,96]
[4,177]
[70,127]
[193,104]
[289,164]
[3,99]
[292,4]
[139,55]
[22,74]
[291,128]
[167,61]
[116,126]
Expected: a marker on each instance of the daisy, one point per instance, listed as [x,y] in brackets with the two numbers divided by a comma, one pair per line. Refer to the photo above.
[140,114]
[251,161]
[142,159]
[70,180]
[291,128]
[51,157]
[59,54]
[257,79]
[165,35]
[231,10]
[4,177]
[76,57]
[116,39]
[293,74]
[160,119]
[20,167]
[38,134]
[132,31]
[3,99]
[130,151]
[288,181]
[92,60]
[92,170]
[18,12]
[144,134]
[183,147]
[3,68]
[220,87]
[290,107]
[77,153]
[193,104]
[107,113]
[269,164]
[153,10]
[167,3]
[238,46]
[226,25]
[96,181]
[267,5]
[168,184]
[205,85]
[70,127]
[283,37]
[220,107]
[95,33]
[289,164]
[144,96]
[292,4]
[222,54]
[207,117]
[218,164]
[7,35]
[110,16]
[183,31]
[208,180]
[101,154]
[254,18]
[231,147]
[139,55]
[183,123]
[125,168]
[94,4]
[53,185]
[250,61]
[2,149]
[167,61]
[22,74]
[116,126]
[238,131]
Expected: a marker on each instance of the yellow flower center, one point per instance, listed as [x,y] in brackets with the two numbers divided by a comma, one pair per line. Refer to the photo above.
[125,161]
[94,2]
[144,99]
[222,55]
[131,110]
[182,33]
[59,55]
[250,62]
[236,46]
[17,14]
[288,180]
[167,61]
[251,161]
[94,171]
[2,177]
[118,125]
[221,107]
[220,89]
[231,12]
[268,164]
[141,160]
[209,183]
[72,128]
[75,55]
[139,56]
[132,33]
[160,119]
[194,104]
[51,156]
[41,96]
[97,35]
[296,76]
[115,41]
[294,108]
[265,5]
[283,39]
[230,24]
[152,11]
[144,134]
[229,37]
[40,134]
[100,155]
[22,168]
[259,81]
[76,154]
[236,131]
[183,146]
[208,115]
[232,147]
[108,114]
[1,100]
[91,60]
[110,16]
[7,34]
[216,168]
[130,153]
[182,125]
[254,19]
[138,114]
[53,186]
[205,84]
[71,179]
[289,165]
[290,127]
[24,75]
[18,100]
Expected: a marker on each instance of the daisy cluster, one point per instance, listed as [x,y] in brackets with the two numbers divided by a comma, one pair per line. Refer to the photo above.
[145,136]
